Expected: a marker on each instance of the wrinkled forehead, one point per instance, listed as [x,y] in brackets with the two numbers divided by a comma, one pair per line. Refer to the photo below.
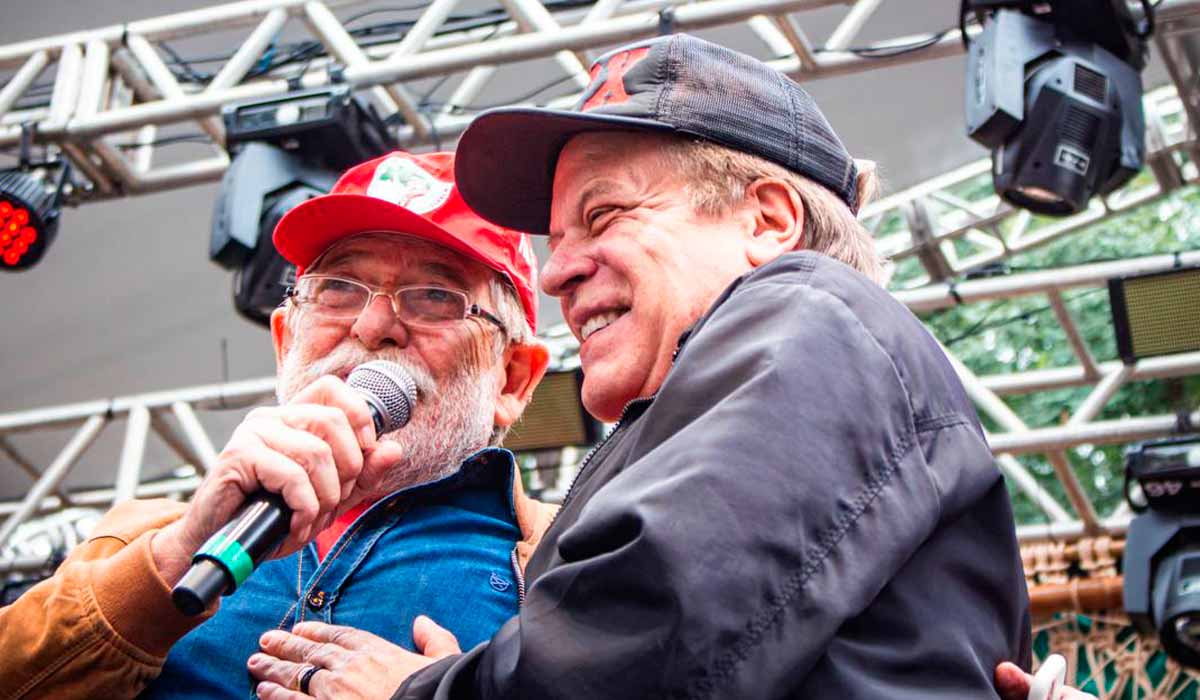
[387,253]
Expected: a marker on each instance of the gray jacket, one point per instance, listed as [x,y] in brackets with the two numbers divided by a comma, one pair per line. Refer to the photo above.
[807,508]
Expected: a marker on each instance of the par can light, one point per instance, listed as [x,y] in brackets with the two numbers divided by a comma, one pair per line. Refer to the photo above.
[29,214]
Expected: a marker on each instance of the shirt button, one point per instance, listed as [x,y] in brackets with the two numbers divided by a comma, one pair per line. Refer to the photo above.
[316,600]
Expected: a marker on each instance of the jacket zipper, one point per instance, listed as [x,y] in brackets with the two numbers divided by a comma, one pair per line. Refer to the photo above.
[592,452]
[516,566]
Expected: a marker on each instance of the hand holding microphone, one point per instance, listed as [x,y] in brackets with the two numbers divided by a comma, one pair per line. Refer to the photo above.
[288,471]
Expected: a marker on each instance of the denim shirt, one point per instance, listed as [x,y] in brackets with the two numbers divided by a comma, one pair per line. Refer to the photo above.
[443,549]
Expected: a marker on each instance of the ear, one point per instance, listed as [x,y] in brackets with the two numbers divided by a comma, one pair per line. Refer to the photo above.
[281,334]
[778,220]
[524,366]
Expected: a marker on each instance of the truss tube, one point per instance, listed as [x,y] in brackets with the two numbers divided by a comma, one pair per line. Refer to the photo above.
[468,90]
[1065,377]
[244,393]
[166,27]
[937,296]
[1014,470]
[801,46]
[178,444]
[95,75]
[196,437]
[66,86]
[236,68]
[54,474]
[1096,433]
[133,75]
[342,45]
[532,16]
[848,29]
[1114,526]
[768,31]
[993,406]
[170,177]
[1100,396]
[700,15]
[1077,343]
[162,78]
[132,454]
[26,466]
[831,64]
[21,81]
[80,159]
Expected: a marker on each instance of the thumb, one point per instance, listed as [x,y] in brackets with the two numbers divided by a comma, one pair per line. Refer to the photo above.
[1011,682]
[434,640]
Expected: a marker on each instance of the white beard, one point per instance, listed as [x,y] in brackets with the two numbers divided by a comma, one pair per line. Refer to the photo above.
[451,419]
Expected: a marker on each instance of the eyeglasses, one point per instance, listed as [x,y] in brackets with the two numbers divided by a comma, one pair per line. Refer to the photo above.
[338,298]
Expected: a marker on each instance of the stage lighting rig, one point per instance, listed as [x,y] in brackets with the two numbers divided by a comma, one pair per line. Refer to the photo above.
[30,203]
[1054,89]
[284,150]
[1161,564]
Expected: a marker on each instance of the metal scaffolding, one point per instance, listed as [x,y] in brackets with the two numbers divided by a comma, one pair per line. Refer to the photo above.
[114,93]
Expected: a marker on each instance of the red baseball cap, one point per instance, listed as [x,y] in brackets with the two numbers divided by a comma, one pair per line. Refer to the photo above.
[412,195]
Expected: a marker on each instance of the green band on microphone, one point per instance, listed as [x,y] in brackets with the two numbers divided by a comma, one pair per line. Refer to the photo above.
[231,554]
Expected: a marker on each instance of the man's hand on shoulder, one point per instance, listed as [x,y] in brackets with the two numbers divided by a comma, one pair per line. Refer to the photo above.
[342,662]
[1013,684]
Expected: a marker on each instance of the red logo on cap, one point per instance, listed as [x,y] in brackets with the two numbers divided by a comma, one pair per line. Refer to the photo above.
[612,92]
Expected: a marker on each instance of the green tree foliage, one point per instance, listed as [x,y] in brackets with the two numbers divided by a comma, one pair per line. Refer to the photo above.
[1022,334]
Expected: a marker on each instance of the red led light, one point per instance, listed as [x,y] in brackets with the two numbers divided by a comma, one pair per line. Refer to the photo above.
[12,257]
[5,208]
[5,238]
[21,216]
[13,226]
[28,235]
[21,247]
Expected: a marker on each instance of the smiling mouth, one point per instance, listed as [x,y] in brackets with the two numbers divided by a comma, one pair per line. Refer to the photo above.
[600,322]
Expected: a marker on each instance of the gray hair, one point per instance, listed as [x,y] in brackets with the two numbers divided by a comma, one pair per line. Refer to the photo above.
[717,178]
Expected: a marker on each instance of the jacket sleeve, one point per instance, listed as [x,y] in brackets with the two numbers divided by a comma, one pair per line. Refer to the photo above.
[102,624]
[776,488]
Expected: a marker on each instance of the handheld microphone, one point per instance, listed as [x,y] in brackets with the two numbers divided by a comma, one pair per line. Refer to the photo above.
[261,525]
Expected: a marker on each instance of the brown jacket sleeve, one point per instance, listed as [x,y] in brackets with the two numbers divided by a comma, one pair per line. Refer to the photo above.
[102,625]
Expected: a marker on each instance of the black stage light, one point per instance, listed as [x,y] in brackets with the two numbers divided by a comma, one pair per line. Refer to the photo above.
[29,215]
[1161,564]
[1054,89]
[1157,313]
[284,150]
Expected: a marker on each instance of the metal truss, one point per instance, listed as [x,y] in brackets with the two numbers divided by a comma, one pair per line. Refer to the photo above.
[113,91]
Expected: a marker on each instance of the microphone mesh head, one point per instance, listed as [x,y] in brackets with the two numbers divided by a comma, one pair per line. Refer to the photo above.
[389,388]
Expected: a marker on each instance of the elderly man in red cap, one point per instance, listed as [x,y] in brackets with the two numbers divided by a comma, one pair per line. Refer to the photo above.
[430,519]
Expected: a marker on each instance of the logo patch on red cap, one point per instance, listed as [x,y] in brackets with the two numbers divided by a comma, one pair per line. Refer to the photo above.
[612,92]
[403,182]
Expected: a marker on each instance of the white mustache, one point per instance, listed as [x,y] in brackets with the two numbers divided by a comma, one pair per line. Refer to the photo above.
[348,355]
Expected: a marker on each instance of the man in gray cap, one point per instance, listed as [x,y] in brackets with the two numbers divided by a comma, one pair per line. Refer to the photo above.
[797,500]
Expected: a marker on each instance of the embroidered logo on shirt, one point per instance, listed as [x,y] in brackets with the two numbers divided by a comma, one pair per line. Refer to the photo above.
[499,583]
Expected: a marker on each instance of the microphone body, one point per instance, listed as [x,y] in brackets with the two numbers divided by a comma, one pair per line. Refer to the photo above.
[262,523]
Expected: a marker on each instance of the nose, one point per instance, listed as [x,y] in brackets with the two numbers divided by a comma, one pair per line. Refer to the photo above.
[378,325]
[567,267]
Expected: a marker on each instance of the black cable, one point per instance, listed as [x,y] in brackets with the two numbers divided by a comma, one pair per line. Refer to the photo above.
[167,140]
[982,326]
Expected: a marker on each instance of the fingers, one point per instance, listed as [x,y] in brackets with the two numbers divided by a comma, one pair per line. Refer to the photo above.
[331,391]
[283,675]
[433,640]
[293,647]
[268,690]
[1011,682]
